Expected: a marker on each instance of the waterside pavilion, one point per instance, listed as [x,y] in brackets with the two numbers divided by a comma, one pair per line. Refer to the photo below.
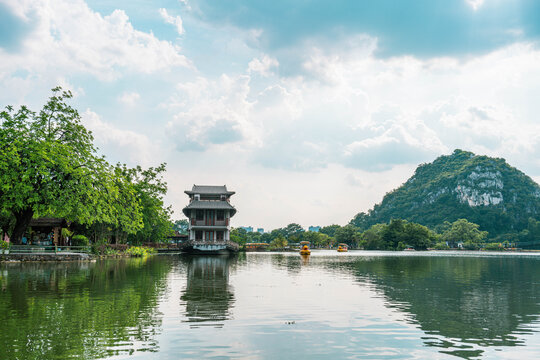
[209,213]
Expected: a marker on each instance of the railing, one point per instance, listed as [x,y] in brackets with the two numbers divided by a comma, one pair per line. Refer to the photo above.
[51,249]
[210,222]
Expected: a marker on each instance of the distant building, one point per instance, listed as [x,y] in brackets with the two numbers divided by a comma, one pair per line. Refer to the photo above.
[260,230]
[314,228]
[247,228]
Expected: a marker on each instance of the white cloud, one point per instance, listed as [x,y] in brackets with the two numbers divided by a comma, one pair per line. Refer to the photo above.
[174,20]
[68,37]
[217,114]
[475,4]
[126,145]
[129,98]
[263,65]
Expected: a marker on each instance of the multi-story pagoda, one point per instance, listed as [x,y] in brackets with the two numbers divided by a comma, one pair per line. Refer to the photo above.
[209,213]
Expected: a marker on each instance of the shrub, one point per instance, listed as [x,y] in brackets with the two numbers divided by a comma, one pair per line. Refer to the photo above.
[139,251]
[494,246]
[100,247]
[469,245]
[79,240]
[441,246]
[4,245]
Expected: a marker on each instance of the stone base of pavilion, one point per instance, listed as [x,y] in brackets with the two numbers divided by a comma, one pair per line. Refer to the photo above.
[209,248]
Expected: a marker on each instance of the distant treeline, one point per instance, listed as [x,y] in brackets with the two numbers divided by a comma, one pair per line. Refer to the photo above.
[397,234]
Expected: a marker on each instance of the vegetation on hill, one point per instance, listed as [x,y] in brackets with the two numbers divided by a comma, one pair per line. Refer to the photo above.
[486,191]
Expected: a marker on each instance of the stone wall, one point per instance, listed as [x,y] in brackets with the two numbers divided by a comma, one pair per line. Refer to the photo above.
[46,257]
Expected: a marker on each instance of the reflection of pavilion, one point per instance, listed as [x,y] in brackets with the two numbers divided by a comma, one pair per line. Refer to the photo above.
[207,295]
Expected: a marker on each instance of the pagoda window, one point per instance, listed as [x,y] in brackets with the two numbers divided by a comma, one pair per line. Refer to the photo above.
[220,215]
[198,235]
[219,235]
[199,214]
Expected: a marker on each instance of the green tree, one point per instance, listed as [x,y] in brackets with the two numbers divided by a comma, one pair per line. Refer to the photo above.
[348,234]
[150,189]
[181,226]
[464,231]
[330,230]
[394,234]
[312,237]
[48,164]
[278,243]
[293,232]
[371,239]
[419,236]
[239,236]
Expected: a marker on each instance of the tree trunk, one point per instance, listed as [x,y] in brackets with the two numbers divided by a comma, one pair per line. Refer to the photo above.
[22,220]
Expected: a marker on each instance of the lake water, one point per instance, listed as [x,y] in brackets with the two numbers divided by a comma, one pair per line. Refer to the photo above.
[373,305]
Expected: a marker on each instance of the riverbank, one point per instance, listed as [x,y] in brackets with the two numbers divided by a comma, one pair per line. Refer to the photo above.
[41,257]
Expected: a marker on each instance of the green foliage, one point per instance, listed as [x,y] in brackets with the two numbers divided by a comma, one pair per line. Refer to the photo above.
[239,236]
[278,243]
[79,240]
[433,195]
[4,245]
[140,251]
[371,239]
[150,189]
[464,231]
[441,246]
[293,232]
[49,165]
[66,232]
[329,230]
[397,235]
[348,234]
[181,226]
[470,245]
[494,246]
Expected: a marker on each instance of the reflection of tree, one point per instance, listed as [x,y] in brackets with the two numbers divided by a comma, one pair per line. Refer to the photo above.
[86,310]
[208,295]
[288,262]
[467,301]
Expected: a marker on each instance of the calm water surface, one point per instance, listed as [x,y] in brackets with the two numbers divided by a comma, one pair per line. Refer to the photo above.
[373,305]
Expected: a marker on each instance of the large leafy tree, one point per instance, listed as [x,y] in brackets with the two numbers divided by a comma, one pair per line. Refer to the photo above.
[49,165]
[464,231]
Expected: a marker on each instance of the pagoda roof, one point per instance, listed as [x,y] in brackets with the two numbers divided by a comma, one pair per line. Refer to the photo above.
[210,205]
[209,190]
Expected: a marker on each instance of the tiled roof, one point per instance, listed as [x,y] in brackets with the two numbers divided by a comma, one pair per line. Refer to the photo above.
[209,190]
[211,205]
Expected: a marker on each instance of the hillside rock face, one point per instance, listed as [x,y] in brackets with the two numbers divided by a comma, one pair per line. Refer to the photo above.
[481,189]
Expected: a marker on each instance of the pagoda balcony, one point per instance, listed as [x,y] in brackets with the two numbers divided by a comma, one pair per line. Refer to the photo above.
[209,222]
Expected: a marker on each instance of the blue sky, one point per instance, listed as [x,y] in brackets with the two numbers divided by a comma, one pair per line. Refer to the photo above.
[310,110]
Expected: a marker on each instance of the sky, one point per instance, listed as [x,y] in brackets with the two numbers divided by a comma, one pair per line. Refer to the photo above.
[310,110]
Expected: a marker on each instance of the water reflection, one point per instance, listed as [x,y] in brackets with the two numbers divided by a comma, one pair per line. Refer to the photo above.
[208,296]
[74,310]
[461,303]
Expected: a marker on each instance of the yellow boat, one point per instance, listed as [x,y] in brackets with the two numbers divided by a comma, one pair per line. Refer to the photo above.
[343,248]
[305,250]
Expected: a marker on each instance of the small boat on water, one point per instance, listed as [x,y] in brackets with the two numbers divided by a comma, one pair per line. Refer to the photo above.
[305,250]
[343,248]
